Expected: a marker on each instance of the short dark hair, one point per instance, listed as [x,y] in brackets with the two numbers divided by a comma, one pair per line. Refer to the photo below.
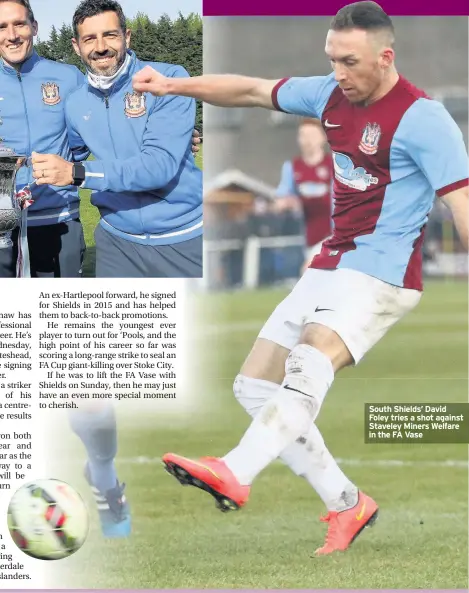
[89,8]
[368,16]
[25,4]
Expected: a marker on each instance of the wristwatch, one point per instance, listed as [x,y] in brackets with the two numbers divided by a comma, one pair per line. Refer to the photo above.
[78,173]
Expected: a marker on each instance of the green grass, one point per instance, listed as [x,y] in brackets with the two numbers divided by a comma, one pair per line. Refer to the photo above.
[89,216]
[181,541]
[199,159]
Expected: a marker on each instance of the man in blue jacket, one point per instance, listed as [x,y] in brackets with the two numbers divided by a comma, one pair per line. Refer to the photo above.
[32,98]
[144,179]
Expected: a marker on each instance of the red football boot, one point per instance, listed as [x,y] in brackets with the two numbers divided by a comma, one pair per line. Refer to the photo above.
[345,526]
[212,475]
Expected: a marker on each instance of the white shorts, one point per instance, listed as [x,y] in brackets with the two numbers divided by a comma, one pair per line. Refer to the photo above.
[358,307]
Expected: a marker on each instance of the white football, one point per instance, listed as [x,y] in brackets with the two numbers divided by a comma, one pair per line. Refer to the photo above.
[48,519]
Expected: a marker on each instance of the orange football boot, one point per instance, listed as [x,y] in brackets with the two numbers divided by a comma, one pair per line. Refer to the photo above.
[212,475]
[345,526]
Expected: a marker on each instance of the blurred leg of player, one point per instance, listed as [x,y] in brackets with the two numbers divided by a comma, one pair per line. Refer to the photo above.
[310,330]
[96,428]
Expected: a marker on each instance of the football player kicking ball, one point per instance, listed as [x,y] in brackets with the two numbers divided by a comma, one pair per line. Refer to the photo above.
[393,150]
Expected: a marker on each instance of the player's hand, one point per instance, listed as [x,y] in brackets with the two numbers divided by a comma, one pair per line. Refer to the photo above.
[149,80]
[196,140]
[51,169]
[284,203]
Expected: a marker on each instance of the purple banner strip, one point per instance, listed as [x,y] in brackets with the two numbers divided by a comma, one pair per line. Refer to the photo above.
[330,7]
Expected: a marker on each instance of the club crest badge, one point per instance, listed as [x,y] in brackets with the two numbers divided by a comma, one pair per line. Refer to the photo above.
[322,172]
[370,139]
[50,93]
[135,104]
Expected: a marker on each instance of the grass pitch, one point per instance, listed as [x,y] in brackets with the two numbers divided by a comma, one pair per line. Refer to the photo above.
[180,540]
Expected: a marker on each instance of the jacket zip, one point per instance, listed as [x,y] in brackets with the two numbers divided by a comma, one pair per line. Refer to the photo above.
[28,152]
[106,102]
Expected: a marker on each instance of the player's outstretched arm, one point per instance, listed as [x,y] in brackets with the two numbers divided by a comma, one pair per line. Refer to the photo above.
[458,202]
[223,90]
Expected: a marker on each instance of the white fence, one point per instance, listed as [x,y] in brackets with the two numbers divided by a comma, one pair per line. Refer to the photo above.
[248,259]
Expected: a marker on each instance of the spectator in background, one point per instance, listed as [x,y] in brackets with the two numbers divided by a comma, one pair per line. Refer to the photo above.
[306,184]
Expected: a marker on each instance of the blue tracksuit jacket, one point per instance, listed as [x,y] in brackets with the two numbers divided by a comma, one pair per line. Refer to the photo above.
[144,179]
[32,117]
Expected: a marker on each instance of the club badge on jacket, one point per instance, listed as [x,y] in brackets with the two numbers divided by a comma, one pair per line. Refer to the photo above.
[50,93]
[135,104]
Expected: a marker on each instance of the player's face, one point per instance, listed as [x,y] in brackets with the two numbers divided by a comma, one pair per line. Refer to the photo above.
[16,33]
[102,44]
[357,63]
[310,138]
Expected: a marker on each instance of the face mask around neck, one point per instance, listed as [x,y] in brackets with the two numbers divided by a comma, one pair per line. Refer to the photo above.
[104,83]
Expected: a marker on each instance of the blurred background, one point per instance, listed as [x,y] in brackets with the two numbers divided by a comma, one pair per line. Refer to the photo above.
[180,541]
[249,243]
[254,251]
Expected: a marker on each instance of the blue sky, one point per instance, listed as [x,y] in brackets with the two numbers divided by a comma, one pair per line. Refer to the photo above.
[57,12]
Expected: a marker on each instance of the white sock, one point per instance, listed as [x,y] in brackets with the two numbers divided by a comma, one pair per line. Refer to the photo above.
[284,417]
[308,456]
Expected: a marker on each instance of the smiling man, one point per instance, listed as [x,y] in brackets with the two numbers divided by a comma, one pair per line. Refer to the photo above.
[32,98]
[144,179]
[393,149]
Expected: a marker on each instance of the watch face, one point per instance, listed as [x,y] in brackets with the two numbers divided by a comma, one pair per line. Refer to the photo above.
[78,174]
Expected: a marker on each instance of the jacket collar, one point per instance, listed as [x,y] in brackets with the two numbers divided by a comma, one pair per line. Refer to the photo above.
[122,80]
[25,67]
